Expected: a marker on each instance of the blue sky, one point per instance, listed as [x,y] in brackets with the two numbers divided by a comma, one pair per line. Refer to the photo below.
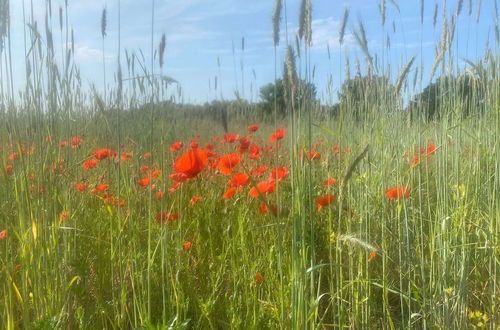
[198,32]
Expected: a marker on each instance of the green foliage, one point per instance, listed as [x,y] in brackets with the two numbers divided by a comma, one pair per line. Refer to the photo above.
[462,95]
[305,95]
[362,95]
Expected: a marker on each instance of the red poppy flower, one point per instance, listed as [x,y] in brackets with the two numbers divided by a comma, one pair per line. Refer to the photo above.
[252,128]
[104,153]
[13,156]
[398,192]
[186,246]
[244,144]
[313,154]
[230,138]
[259,170]
[373,254]
[191,162]
[259,278]
[175,186]
[176,146]
[147,155]
[3,234]
[100,188]
[279,173]
[324,200]
[165,217]
[430,149]
[328,182]
[9,169]
[263,209]
[254,151]
[228,162]
[277,135]
[193,144]
[239,179]
[81,186]
[194,200]
[155,174]
[76,141]
[126,156]
[264,187]
[144,181]
[229,193]
[89,164]
[159,194]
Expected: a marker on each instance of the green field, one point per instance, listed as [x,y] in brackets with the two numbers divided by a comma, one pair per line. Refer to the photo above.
[124,210]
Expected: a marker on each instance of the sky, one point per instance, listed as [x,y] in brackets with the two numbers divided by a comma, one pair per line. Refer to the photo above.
[202,33]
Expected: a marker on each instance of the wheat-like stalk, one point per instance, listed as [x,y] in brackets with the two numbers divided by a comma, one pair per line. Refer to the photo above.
[356,241]
[278,6]
[103,22]
[305,21]
[382,11]
[402,75]
[343,26]
[434,19]
[161,47]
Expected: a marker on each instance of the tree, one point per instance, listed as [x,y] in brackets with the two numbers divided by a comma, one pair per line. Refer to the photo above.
[367,94]
[305,96]
[461,94]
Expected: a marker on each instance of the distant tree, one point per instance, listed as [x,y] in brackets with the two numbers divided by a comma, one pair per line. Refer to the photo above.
[462,95]
[367,94]
[305,96]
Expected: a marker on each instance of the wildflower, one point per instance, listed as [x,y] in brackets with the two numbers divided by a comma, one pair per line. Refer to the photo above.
[104,153]
[176,146]
[264,209]
[259,278]
[191,162]
[277,135]
[144,181]
[159,194]
[81,186]
[13,156]
[126,156]
[239,179]
[64,215]
[312,154]
[147,155]
[155,174]
[252,128]
[328,182]
[279,173]
[100,188]
[76,141]
[186,246]
[324,200]
[230,138]
[175,186]
[244,144]
[373,254]
[229,193]
[89,164]
[3,234]
[194,200]
[398,192]
[253,151]
[264,187]
[259,170]
[165,217]
[9,169]
[228,162]
[193,144]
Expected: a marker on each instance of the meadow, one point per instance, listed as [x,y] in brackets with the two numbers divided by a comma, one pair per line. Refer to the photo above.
[121,209]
